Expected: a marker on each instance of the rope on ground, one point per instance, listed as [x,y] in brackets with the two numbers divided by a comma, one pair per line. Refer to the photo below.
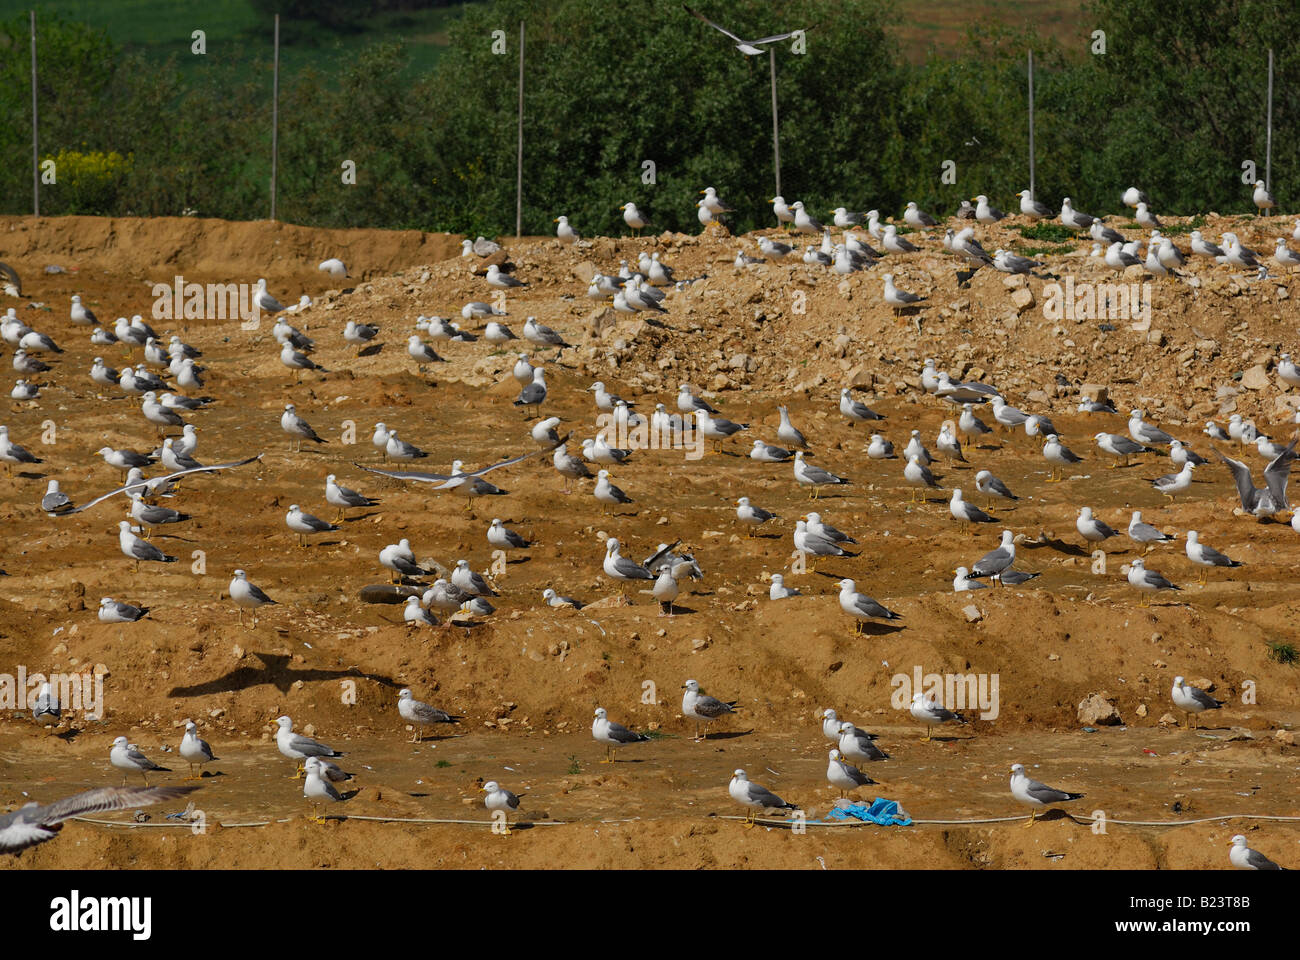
[767,821]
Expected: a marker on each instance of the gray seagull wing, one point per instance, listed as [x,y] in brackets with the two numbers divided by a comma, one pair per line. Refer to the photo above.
[160,480]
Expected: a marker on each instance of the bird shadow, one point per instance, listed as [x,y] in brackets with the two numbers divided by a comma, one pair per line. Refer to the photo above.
[518,560]
[679,609]
[881,629]
[371,351]
[1060,546]
[726,735]
[364,516]
[276,670]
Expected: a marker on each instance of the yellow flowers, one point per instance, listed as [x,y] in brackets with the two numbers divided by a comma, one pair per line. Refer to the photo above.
[88,182]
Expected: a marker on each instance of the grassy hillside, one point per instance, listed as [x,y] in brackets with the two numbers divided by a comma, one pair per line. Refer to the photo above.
[236,33]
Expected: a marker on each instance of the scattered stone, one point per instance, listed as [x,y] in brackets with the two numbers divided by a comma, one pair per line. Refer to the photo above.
[1096,710]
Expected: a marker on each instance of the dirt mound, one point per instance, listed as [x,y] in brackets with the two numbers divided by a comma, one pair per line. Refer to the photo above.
[528,678]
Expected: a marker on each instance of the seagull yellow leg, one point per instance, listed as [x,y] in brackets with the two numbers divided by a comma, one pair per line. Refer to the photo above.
[1030,821]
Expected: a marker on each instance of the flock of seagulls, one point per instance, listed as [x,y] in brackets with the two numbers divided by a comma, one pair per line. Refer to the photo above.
[980,412]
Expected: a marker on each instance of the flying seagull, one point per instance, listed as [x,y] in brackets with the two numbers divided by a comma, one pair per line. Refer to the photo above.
[33,824]
[748,47]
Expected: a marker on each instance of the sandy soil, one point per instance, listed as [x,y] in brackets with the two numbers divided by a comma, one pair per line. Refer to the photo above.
[528,678]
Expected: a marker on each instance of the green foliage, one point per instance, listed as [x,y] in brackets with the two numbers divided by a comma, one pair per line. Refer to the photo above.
[89,182]
[1282,652]
[1051,232]
[1174,106]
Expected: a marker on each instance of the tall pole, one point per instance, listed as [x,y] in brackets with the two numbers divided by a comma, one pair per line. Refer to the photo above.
[36,165]
[275,115]
[1268,148]
[776,130]
[1031,125]
[519,162]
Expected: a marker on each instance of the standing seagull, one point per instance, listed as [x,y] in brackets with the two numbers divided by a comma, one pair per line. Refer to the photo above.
[613,735]
[844,775]
[1036,794]
[344,497]
[931,712]
[33,824]
[755,796]
[861,607]
[748,47]
[297,747]
[127,756]
[698,705]
[420,714]
[1204,556]
[1240,856]
[247,595]
[194,750]
[1190,699]
[296,426]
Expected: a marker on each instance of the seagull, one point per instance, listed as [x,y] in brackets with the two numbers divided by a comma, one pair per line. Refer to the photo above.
[816,544]
[783,215]
[1033,208]
[359,334]
[991,486]
[855,744]
[1172,483]
[931,712]
[1144,533]
[634,218]
[879,448]
[986,213]
[505,538]
[127,756]
[698,705]
[553,599]
[1093,529]
[1056,453]
[297,747]
[1104,234]
[854,410]
[1120,446]
[1073,218]
[334,267]
[613,735]
[80,314]
[534,394]
[752,516]
[748,47]
[915,217]
[1192,699]
[967,513]
[1240,856]
[755,796]
[846,220]
[813,476]
[194,750]
[32,824]
[470,581]
[621,568]
[1148,581]
[972,426]
[247,595]
[420,714]
[607,493]
[502,281]
[543,335]
[500,799]
[861,607]
[1180,454]
[344,497]
[564,232]
[893,243]
[845,776]
[304,524]
[779,591]
[295,426]
[962,581]
[994,562]
[114,611]
[55,500]
[294,360]
[12,453]
[264,300]
[897,298]
[774,248]
[803,221]
[1262,199]
[138,550]
[317,786]
[916,473]
[1204,556]
[767,453]
[1204,248]
[1036,794]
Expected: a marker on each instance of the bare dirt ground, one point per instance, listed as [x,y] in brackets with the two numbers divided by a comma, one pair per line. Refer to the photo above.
[528,678]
